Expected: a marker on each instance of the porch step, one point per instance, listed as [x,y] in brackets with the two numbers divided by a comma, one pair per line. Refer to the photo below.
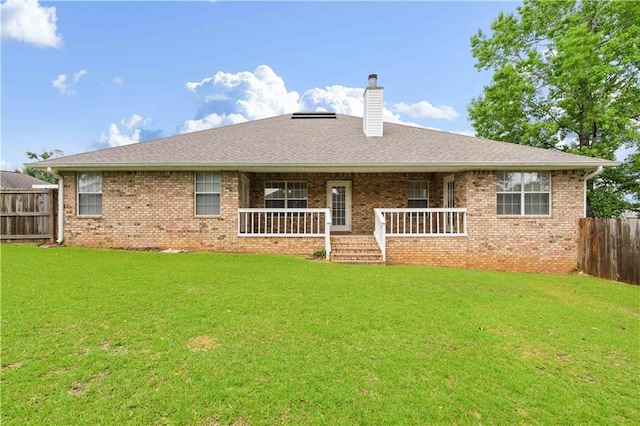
[355,249]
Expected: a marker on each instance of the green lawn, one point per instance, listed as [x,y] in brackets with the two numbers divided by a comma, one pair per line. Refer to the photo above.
[107,337]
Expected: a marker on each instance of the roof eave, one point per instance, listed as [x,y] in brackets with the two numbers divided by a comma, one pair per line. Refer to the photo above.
[329,167]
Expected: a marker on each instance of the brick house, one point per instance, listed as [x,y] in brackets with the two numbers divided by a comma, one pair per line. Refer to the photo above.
[361,189]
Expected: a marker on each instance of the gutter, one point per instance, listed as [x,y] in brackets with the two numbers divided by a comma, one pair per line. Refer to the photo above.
[590,176]
[332,167]
[60,205]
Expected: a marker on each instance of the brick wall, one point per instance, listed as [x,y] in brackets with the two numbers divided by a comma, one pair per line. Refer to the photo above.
[530,244]
[155,210]
[526,244]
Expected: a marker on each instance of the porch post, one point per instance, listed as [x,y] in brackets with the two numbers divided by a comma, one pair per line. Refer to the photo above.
[327,233]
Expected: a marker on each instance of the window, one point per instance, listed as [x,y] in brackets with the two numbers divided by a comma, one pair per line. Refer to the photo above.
[207,194]
[527,193]
[418,197]
[90,194]
[285,195]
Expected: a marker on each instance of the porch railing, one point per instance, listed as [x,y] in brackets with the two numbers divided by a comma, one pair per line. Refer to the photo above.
[425,222]
[447,222]
[286,223]
[380,232]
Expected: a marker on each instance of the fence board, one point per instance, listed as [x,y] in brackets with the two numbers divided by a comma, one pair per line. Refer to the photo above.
[610,248]
[27,214]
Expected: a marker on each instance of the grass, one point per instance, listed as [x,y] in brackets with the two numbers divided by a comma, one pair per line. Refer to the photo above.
[103,337]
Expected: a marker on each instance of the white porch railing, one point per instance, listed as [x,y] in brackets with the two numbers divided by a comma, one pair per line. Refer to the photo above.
[380,233]
[448,222]
[286,223]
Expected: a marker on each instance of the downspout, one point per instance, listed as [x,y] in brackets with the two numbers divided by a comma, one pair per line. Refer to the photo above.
[591,175]
[60,205]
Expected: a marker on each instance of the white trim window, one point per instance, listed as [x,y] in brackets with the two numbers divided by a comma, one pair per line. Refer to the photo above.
[89,194]
[524,193]
[207,193]
[285,195]
[418,194]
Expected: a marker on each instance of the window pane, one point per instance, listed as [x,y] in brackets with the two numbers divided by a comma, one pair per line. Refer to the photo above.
[274,190]
[90,182]
[417,194]
[285,194]
[208,204]
[90,193]
[297,204]
[338,205]
[274,204]
[417,204]
[297,190]
[207,182]
[509,204]
[90,204]
[536,204]
[536,182]
[509,182]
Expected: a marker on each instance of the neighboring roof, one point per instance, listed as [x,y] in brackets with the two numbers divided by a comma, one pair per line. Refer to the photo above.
[320,144]
[17,180]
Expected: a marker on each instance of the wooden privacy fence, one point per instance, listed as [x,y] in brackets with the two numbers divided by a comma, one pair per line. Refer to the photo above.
[28,214]
[610,248]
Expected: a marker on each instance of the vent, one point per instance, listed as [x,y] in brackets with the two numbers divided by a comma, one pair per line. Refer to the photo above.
[301,115]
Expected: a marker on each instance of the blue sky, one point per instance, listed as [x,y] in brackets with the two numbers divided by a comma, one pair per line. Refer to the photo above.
[79,76]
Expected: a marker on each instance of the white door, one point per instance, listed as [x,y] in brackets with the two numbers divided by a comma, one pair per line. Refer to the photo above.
[339,202]
[244,202]
[244,192]
[449,203]
[449,191]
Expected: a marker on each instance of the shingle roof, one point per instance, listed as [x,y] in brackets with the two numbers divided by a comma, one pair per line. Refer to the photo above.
[17,180]
[281,143]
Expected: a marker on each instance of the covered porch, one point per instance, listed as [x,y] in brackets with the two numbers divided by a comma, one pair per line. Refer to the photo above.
[322,205]
[317,222]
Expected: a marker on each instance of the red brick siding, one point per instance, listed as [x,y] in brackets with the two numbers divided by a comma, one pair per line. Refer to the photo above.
[156,210]
[526,244]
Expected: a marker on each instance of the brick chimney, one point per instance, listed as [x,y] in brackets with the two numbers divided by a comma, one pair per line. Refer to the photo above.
[372,120]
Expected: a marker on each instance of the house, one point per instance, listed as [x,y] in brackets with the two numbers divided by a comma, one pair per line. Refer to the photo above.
[17,180]
[361,189]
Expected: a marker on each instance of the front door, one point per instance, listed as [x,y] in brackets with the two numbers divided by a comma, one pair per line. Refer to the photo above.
[339,201]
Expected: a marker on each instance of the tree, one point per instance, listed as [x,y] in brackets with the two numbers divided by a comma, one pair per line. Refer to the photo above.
[42,174]
[566,76]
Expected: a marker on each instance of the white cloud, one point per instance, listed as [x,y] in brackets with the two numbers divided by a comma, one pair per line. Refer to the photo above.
[424,109]
[340,99]
[118,81]
[136,121]
[65,82]
[5,165]
[465,132]
[126,132]
[229,98]
[28,22]
[210,121]
[78,75]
